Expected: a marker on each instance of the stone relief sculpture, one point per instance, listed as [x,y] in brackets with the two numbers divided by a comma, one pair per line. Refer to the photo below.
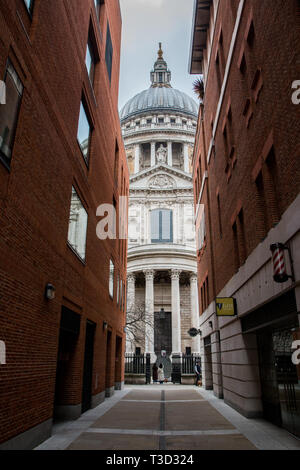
[161,182]
[161,154]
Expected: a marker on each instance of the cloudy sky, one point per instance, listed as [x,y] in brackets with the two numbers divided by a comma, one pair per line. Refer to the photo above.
[145,24]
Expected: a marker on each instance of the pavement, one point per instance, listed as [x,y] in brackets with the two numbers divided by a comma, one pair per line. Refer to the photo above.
[167,417]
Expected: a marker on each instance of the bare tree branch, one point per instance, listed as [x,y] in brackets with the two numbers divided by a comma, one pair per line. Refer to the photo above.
[138,322]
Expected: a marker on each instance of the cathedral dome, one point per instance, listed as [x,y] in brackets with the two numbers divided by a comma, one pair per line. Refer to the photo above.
[160,96]
[159,99]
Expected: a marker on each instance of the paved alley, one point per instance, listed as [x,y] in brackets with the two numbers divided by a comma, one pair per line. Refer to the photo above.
[166,418]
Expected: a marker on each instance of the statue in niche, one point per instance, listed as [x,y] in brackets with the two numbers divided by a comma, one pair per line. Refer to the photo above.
[161,154]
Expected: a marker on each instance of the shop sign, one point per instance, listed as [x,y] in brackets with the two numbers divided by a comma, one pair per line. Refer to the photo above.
[226,307]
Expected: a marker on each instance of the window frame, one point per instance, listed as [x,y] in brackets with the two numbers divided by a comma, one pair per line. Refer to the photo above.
[3,158]
[29,7]
[73,249]
[111,287]
[83,102]
[109,66]
[160,226]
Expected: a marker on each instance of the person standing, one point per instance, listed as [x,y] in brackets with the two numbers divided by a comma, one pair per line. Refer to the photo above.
[155,373]
[198,372]
[160,373]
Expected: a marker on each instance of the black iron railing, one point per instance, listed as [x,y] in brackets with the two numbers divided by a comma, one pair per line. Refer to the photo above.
[134,364]
[189,362]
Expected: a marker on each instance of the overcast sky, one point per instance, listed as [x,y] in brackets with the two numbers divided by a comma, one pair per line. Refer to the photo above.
[145,24]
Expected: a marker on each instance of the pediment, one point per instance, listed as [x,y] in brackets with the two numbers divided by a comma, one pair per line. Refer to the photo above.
[161,177]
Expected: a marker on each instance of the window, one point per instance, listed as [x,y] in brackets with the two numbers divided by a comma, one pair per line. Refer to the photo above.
[108,53]
[90,61]
[162,226]
[173,121]
[149,121]
[111,278]
[9,112]
[29,5]
[160,120]
[84,132]
[118,289]
[77,225]
[98,4]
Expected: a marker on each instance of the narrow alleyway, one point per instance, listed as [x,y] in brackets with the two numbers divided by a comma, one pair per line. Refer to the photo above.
[166,417]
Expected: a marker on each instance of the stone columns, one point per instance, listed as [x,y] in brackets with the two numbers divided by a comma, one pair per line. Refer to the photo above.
[130,307]
[170,154]
[137,153]
[186,158]
[176,324]
[149,309]
[195,312]
[130,291]
[153,162]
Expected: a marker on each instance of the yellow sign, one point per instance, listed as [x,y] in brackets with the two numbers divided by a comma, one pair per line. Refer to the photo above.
[226,306]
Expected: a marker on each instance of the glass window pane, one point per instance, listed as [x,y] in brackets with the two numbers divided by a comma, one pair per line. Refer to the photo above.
[9,112]
[166,225]
[77,225]
[90,62]
[108,52]
[29,4]
[84,132]
[155,225]
[111,278]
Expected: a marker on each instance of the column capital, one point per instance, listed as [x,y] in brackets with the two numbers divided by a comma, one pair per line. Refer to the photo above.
[131,277]
[193,277]
[149,274]
[175,274]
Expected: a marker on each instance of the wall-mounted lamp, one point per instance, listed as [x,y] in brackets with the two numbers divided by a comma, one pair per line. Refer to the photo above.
[279,266]
[49,292]
[105,326]
[194,332]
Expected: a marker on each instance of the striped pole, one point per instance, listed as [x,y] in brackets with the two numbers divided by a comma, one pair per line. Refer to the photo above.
[279,266]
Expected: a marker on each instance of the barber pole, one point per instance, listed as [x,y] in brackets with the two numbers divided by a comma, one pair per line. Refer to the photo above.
[279,266]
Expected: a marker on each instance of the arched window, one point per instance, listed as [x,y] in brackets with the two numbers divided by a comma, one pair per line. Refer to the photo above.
[161,226]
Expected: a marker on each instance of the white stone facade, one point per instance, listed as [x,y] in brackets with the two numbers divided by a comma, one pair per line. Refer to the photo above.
[162,267]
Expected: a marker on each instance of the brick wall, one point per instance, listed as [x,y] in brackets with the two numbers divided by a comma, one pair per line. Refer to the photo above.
[48,52]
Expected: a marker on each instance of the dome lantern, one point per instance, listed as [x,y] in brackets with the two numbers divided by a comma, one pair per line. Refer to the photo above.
[160,75]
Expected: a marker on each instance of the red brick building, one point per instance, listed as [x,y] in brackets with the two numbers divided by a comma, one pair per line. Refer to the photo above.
[61,156]
[246,181]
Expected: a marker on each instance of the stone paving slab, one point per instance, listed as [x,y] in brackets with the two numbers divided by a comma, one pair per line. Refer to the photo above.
[129,415]
[143,395]
[194,416]
[88,441]
[182,395]
[230,442]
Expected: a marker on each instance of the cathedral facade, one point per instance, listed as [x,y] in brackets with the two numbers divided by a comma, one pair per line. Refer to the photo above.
[159,126]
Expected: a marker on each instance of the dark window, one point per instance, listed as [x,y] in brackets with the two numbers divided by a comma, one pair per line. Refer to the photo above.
[188,351]
[162,226]
[108,53]
[160,120]
[84,132]
[138,351]
[160,77]
[9,112]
